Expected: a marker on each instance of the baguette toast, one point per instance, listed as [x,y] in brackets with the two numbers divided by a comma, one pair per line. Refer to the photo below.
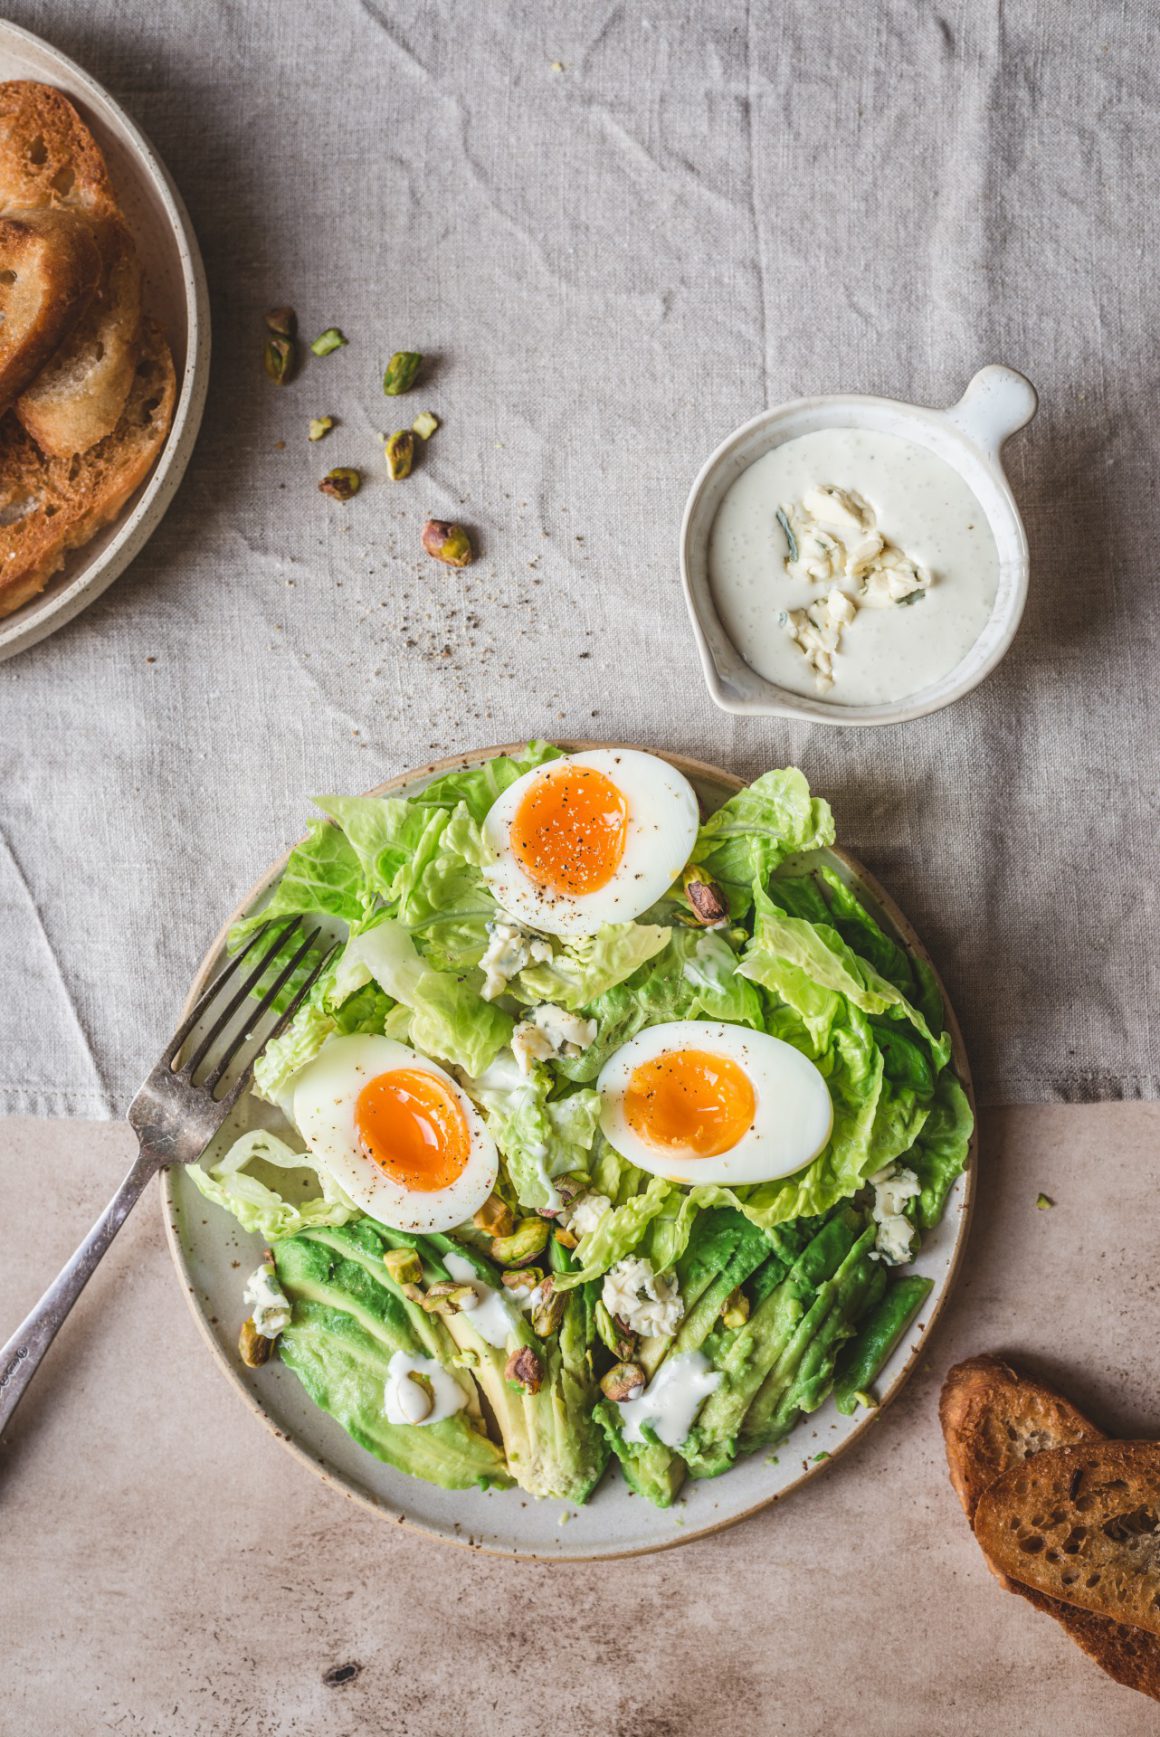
[78,397]
[49,506]
[995,1419]
[47,154]
[50,269]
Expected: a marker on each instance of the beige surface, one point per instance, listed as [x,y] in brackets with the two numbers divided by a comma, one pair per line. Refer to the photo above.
[169,1570]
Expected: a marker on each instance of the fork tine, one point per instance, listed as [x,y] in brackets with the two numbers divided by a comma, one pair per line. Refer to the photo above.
[211,1083]
[269,954]
[236,1089]
[209,995]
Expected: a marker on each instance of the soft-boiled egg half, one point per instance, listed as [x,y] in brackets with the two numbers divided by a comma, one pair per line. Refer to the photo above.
[589,839]
[697,1101]
[396,1132]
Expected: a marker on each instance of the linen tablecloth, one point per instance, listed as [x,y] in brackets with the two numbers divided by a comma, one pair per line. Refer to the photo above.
[615,232]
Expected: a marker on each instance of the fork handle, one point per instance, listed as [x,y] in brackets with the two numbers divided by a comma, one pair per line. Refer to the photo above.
[21,1357]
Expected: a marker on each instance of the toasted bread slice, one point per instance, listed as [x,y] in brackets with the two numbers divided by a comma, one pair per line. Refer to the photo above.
[51,505]
[993,1419]
[1081,1524]
[50,268]
[48,156]
[78,397]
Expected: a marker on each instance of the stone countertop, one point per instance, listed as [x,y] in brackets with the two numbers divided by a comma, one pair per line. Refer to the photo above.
[170,1570]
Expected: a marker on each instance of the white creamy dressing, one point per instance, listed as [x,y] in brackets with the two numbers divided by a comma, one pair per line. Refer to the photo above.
[920,505]
[492,1315]
[407,1401]
[671,1400]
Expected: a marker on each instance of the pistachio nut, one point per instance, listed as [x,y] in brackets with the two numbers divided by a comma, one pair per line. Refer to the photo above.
[619,1339]
[278,359]
[566,1238]
[549,1310]
[425,424]
[320,425]
[253,1348]
[400,452]
[623,1381]
[495,1217]
[524,1370]
[401,371]
[735,1309]
[404,1265]
[445,1297]
[522,1279]
[341,483]
[448,543]
[708,901]
[331,339]
[528,1239]
[416,1396]
[283,322]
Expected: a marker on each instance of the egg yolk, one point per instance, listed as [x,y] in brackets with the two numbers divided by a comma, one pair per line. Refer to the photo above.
[410,1124]
[690,1102]
[569,831]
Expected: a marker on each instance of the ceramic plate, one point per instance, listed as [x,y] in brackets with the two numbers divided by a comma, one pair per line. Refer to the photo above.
[175,295]
[213,1255]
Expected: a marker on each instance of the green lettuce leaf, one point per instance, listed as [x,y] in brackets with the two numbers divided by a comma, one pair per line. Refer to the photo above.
[478,787]
[774,818]
[617,1235]
[257,1205]
[540,1137]
[323,877]
[940,1152]
[590,965]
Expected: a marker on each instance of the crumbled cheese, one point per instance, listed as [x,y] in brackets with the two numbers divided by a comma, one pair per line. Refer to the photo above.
[645,1302]
[893,1187]
[586,1213]
[268,1301]
[509,949]
[548,1032]
[833,541]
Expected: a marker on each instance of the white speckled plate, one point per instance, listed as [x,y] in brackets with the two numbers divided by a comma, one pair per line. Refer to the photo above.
[213,1255]
[175,295]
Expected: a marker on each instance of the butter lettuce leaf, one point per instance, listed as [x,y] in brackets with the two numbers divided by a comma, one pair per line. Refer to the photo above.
[750,835]
[590,965]
[257,1205]
[323,877]
[540,1137]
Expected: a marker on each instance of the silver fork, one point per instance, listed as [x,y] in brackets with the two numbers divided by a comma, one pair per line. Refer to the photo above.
[174,1116]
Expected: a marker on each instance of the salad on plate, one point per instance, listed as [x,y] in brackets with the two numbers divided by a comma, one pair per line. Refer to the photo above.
[607,1134]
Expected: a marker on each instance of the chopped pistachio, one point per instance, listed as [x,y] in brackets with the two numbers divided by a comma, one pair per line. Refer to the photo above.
[416,1396]
[549,1310]
[425,424]
[400,451]
[401,371]
[404,1265]
[341,483]
[495,1217]
[278,359]
[413,1293]
[707,899]
[1044,1202]
[618,1338]
[448,1298]
[283,322]
[524,1370]
[566,1238]
[331,339]
[735,1309]
[522,1279]
[320,425]
[529,1239]
[448,543]
[253,1347]
[623,1381]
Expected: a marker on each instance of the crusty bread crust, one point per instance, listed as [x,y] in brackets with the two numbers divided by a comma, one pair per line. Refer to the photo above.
[48,156]
[49,506]
[50,270]
[78,397]
[994,1420]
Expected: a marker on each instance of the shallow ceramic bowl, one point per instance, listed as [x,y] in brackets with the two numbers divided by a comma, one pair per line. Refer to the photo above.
[175,295]
[213,1255]
[969,436]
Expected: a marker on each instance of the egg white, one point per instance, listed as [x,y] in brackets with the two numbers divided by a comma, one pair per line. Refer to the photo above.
[325,1092]
[662,828]
[793,1116]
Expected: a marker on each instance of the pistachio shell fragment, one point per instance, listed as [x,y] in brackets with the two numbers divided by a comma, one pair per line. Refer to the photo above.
[401,371]
[253,1348]
[529,1239]
[524,1370]
[341,483]
[448,543]
[400,451]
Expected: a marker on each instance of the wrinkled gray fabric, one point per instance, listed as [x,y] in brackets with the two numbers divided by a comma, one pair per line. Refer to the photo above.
[707,210]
